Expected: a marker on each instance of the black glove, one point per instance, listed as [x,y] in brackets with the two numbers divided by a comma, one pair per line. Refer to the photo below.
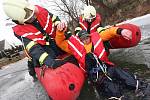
[54,63]
[68,34]
[57,63]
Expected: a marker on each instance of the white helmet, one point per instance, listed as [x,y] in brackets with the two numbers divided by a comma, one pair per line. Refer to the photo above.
[15,9]
[89,12]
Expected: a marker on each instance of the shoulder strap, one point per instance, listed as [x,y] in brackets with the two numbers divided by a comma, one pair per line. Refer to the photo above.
[92,48]
[37,25]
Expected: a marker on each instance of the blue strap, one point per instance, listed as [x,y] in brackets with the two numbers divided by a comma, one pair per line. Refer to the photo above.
[95,70]
[99,67]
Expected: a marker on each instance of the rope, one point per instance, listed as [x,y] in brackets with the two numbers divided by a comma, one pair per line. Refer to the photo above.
[112,98]
[103,68]
[29,57]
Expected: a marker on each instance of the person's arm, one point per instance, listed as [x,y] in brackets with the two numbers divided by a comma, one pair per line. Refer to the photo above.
[55,19]
[61,42]
[36,51]
[109,33]
[112,32]
[77,29]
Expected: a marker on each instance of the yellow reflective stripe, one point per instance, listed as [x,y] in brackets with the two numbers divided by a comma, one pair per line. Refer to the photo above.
[100,29]
[69,32]
[47,43]
[53,18]
[30,45]
[44,37]
[78,28]
[42,57]
[83,17]
[57,22]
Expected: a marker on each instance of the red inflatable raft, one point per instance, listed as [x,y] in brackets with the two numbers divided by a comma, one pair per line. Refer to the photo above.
[62,83]
[120,42]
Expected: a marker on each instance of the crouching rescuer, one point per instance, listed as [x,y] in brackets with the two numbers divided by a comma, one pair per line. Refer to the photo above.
[35,28]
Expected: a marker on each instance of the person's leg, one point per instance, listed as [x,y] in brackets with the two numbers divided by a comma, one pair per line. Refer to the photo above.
[142,88]
[109,89]
[31,70]
[57,51]
[71,59]
[127,79]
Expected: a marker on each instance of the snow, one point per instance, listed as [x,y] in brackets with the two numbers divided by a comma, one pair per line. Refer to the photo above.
[141,21]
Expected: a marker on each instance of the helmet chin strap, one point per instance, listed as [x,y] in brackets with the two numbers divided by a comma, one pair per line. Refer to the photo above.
[88,3]
[29,16]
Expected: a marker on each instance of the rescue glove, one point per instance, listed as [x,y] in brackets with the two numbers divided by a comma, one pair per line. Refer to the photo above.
[68,34]
[53,63]
[61,26]
[57,63]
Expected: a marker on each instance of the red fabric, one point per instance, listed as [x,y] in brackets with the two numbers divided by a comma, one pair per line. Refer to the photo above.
[98,50]
[95,22]
[57,82]
[80,47]
[120,42]
[42,18]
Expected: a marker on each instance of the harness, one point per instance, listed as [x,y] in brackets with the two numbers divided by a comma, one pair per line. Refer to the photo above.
[100,67]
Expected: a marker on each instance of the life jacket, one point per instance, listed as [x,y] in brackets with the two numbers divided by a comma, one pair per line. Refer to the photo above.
[99,49]
[95,24]
[78,50]
[32,33]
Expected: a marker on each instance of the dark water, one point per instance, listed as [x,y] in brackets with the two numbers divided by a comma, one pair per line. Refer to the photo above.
[87,93]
